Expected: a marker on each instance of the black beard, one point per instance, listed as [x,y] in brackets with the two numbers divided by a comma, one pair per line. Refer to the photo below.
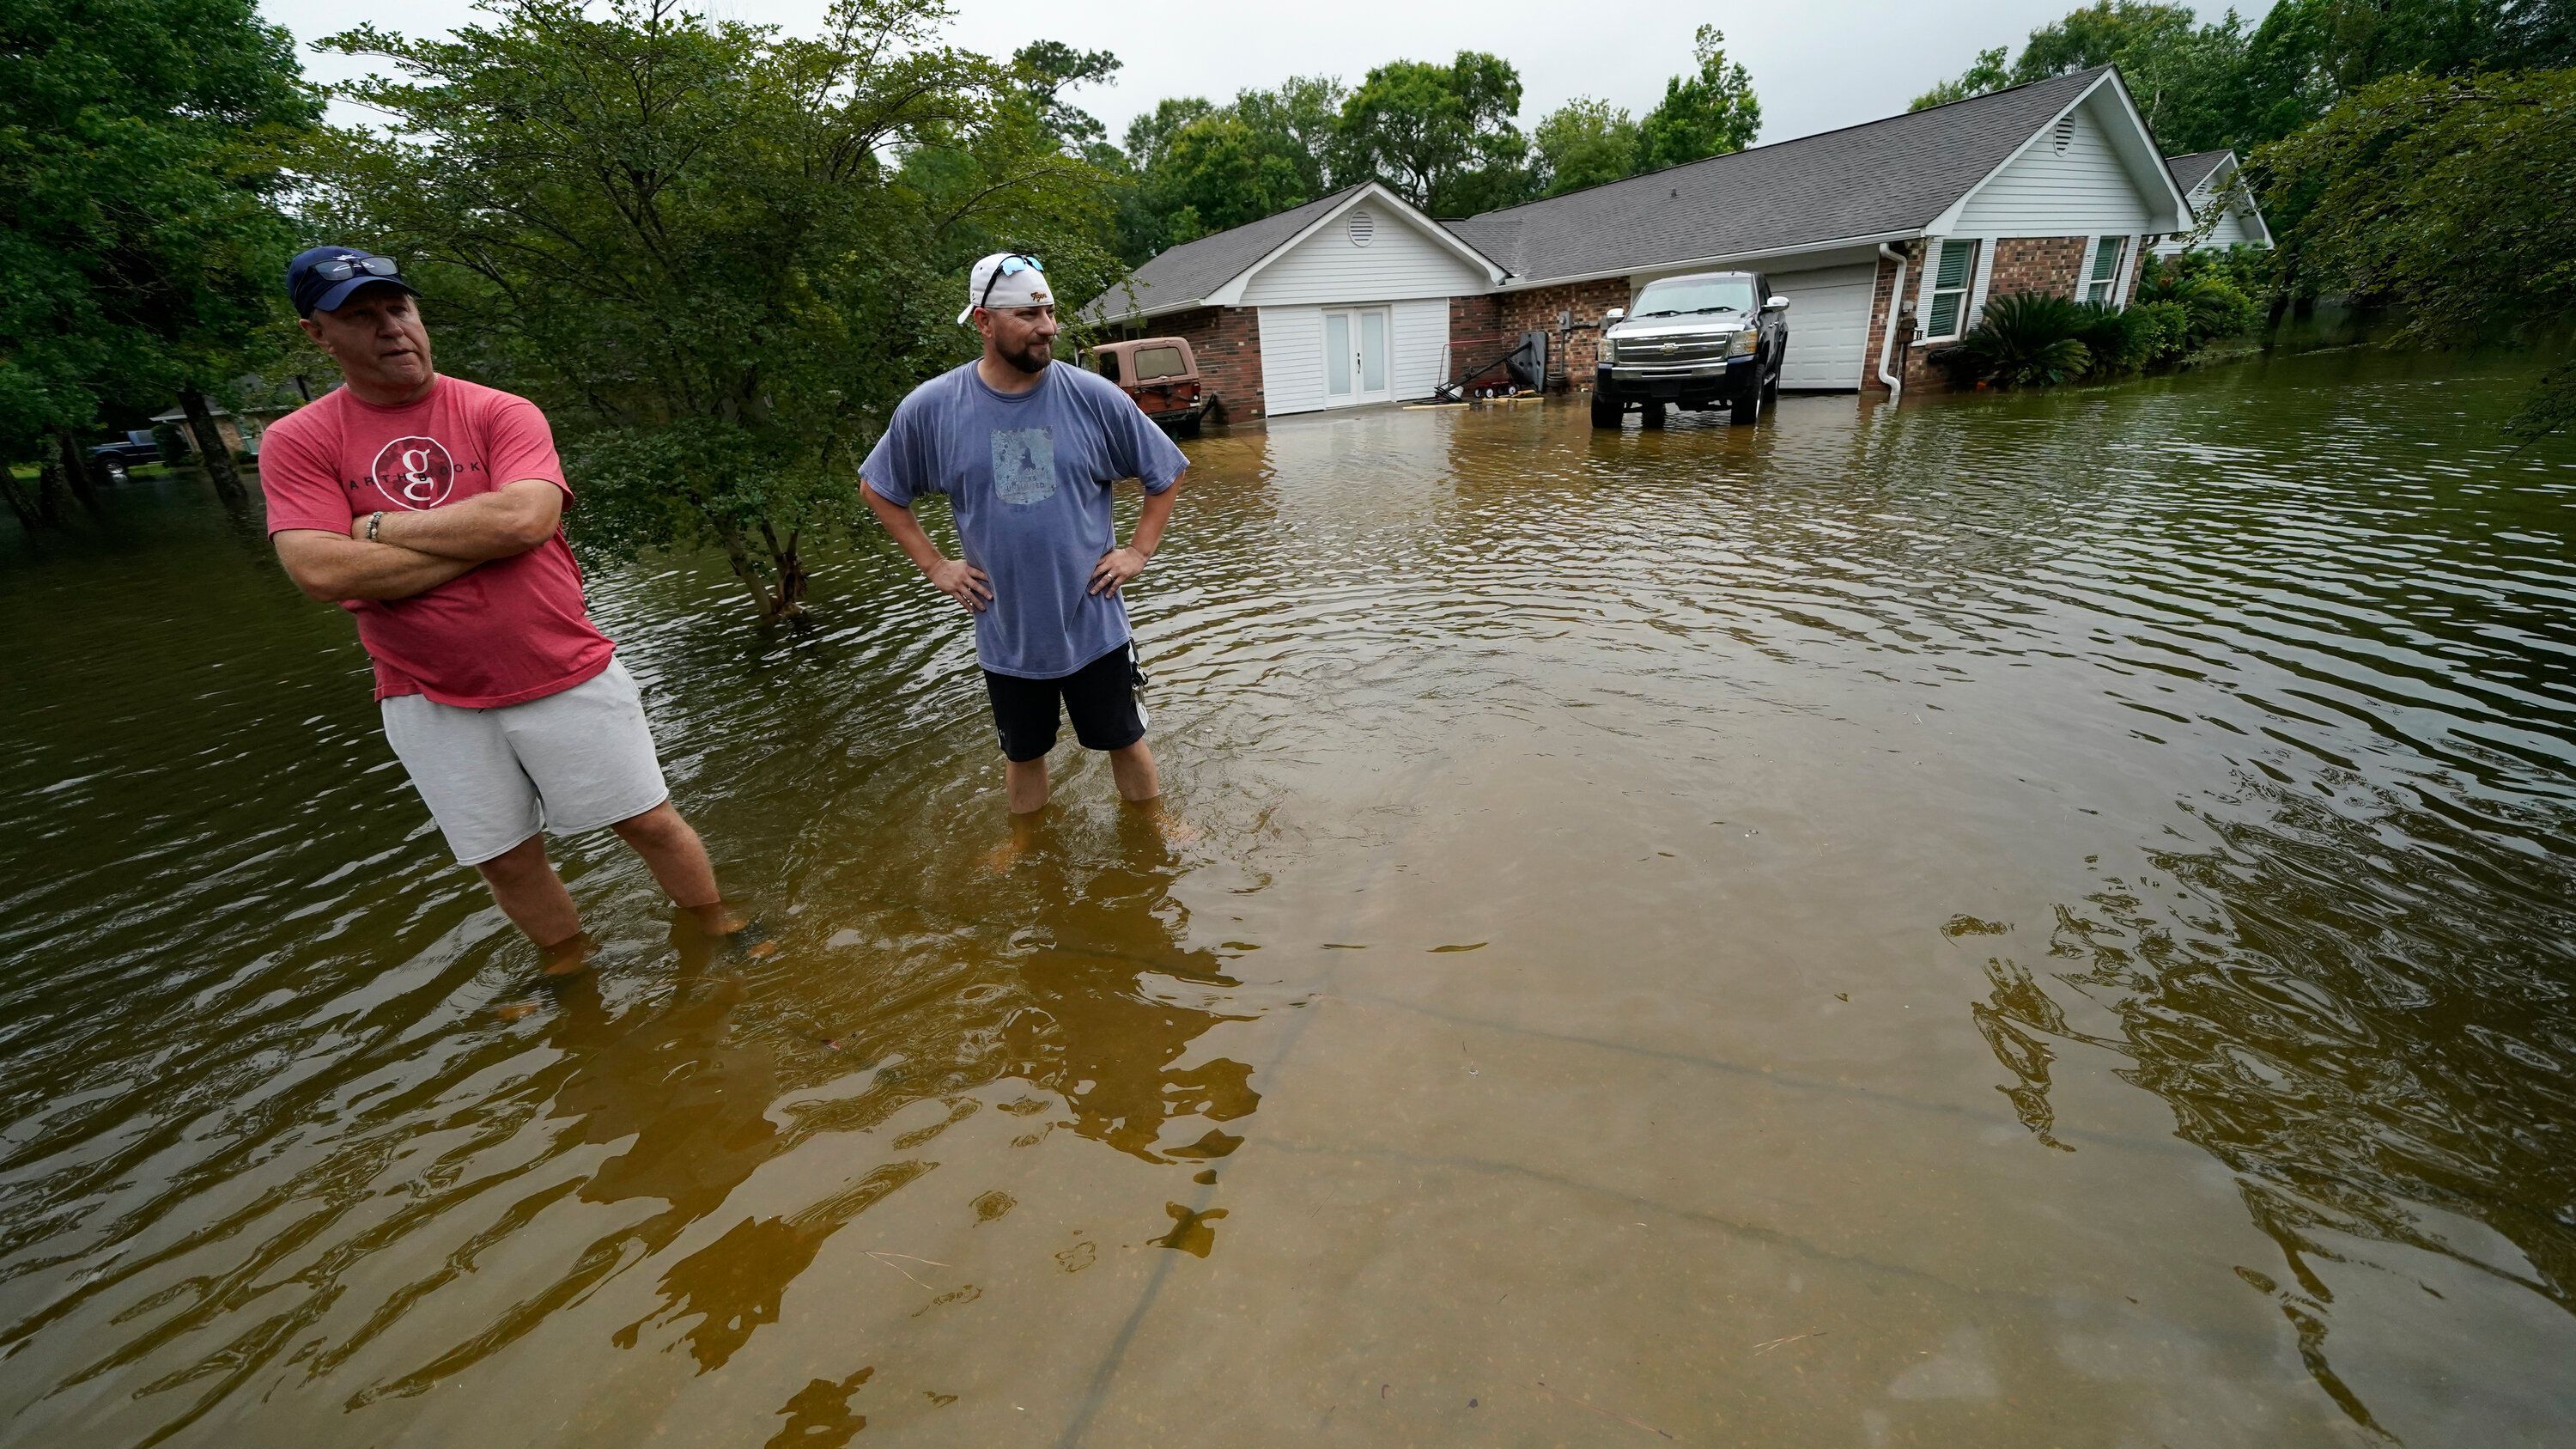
[1032,360]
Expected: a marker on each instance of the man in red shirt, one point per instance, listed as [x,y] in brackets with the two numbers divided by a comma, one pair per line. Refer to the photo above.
[430,508]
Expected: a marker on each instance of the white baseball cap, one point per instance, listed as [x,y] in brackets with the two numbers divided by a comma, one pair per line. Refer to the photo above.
[1007,279]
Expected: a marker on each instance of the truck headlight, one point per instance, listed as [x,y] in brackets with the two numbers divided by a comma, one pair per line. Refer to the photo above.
[1743,344]
[1609,349]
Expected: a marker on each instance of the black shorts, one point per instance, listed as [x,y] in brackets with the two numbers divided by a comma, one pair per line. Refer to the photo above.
[1101,697]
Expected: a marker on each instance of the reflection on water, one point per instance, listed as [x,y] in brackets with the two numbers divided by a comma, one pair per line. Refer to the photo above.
[2028,921]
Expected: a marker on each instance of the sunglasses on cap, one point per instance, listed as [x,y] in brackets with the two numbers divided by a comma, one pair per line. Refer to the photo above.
[1011,266]
[343,268]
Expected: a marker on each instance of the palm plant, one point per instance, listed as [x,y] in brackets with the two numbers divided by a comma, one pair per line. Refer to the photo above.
[2027,339]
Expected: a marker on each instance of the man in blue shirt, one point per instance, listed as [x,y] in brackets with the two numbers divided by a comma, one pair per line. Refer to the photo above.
[1026,452]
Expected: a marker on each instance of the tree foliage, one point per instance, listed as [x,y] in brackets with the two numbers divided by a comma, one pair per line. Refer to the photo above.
[716,254]
[1707,113]
[1584,143]
[1442,135]
[141,244]
[1192,167]
[2221,84]
[2449,195]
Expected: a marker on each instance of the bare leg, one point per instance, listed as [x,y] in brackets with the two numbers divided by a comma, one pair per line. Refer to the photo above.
[1133,769]
[532,895]
[1026,782]
[678,859]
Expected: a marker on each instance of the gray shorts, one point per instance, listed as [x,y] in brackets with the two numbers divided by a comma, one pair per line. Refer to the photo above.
[567,763]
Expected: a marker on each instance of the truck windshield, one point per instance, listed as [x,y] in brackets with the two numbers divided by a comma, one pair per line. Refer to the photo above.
[1675,296]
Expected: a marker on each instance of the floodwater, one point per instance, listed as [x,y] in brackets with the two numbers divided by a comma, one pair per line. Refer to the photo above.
[2012,922]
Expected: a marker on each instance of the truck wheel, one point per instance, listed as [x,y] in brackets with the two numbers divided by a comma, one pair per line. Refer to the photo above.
[1652,412]
[1771,390]
[1605,411]
[1745,406]
[1190,427]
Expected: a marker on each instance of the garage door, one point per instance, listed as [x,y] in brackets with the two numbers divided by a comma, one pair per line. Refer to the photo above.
[1828,325]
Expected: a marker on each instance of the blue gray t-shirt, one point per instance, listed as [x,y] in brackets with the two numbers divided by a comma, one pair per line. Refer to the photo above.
[1028,476]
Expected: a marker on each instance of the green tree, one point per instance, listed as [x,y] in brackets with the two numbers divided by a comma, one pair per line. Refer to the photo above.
[1988,73]
[1708,113]
[2189,79]
[1440,135]
[141,246]
[716,254]
[1222,171]
[1584,143]
[2450,195]
[1049,68]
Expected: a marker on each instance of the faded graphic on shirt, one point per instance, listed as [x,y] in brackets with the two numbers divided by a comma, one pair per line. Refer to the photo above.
[1024,464]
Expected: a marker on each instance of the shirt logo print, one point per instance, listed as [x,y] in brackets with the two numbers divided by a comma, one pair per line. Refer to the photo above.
[415,472]
[1024,464]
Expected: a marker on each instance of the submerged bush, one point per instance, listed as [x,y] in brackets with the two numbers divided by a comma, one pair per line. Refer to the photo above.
[2118,341]
[2025,339]
[2219,306]
[2164,330]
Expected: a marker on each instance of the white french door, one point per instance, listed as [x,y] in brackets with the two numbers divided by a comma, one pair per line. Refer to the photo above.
[1355,365]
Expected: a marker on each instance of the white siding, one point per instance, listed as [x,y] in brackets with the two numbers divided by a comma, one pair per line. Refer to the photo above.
[1421,336]
[1292,359]
[1828,325]
[1399,262]
[2231,228]
[2081,190]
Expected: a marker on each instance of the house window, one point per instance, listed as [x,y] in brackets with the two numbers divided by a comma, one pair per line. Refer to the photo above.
[2102,280]
[1950,274]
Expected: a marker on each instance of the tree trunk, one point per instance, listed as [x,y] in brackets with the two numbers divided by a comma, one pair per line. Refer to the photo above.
[19,503]
[739,556]
[53,496]
[791,571]
[217,458]
[77,470]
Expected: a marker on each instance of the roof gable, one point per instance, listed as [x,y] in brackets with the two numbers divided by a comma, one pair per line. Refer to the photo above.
[1882,179]
[2132,151]
[2189,171]
[1213,270]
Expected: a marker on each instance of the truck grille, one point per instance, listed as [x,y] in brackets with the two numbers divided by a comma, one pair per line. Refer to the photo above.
[1672,349]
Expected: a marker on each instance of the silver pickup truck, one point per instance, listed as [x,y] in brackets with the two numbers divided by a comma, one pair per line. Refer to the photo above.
[1695,342]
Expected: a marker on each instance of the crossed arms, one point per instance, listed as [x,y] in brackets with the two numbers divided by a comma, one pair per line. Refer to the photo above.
[416,552]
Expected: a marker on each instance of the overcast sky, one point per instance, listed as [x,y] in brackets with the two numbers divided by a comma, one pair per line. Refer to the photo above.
[1817,64]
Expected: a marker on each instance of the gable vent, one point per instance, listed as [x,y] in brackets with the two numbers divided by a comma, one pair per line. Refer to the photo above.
[2065,135]
[1363,228]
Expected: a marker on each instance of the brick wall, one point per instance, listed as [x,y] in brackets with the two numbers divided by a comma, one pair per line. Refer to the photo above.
[2037,264]
[1227,343]
[1536,309]
[1475,333]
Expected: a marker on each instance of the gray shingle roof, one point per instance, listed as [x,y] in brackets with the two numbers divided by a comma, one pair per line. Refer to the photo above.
[1884,176]
[1190,271]
[2189,171]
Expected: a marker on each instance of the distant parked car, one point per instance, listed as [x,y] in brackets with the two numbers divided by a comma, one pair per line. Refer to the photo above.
[136,447]
[1160,373]
[1695,342]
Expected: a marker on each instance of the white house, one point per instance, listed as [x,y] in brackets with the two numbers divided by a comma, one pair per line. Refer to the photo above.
[2204,177]
[1359,297]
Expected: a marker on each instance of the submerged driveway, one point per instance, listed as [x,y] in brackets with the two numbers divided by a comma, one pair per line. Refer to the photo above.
[2022,922]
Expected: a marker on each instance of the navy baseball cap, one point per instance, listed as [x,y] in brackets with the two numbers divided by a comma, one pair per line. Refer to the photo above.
[320,279]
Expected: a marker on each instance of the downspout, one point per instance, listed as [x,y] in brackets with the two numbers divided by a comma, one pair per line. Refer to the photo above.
[1887,335]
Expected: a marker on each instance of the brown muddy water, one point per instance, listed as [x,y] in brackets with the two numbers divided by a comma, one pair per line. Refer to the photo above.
[2019,922]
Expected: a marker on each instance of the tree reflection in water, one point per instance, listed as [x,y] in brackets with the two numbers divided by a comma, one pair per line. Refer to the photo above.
[2357,1032]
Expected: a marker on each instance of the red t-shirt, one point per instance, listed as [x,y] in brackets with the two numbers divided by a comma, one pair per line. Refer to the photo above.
[508,630]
